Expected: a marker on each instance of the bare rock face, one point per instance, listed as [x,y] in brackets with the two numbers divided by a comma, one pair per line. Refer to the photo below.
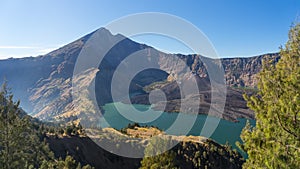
[239,72]
[44,83]
[243,71]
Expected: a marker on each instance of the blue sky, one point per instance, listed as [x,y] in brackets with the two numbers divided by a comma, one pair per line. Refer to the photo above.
[235,27]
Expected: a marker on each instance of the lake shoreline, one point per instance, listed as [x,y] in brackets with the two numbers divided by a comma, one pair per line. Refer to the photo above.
[225,131]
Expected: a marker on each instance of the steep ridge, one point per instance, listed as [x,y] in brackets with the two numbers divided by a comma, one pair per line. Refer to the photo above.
[28,77]
[44,83]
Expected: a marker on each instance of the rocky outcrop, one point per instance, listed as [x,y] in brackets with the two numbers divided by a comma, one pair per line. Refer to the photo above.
[243,71]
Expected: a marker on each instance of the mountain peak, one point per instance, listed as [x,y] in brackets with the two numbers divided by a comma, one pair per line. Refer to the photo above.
[103,31]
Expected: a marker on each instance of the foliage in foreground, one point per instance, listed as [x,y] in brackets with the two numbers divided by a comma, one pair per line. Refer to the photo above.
[275,141]
[22,142]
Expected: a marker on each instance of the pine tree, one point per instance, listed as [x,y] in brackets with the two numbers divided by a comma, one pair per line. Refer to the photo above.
[20,145]
[275,140]
[14,133]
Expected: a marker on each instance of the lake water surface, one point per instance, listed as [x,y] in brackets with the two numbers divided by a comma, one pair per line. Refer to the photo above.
[226,131]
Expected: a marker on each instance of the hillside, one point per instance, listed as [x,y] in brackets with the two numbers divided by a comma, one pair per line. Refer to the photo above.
[191,152]
[44,83]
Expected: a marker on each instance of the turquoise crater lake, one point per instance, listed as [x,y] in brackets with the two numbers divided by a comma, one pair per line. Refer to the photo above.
[226,131]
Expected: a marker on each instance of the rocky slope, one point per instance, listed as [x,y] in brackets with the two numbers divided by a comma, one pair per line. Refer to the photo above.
[243,71]
[44,83]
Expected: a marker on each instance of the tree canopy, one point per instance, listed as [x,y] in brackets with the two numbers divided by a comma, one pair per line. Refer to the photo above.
[275,140]
[22,142]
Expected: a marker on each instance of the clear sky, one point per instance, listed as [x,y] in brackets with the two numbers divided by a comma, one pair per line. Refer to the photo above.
[235,27]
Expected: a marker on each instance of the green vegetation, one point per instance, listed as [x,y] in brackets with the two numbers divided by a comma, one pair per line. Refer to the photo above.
[165,160]
[22,139]
[129,126]
[185,155]
[246,88]
[208,155]
[68,163]
[73,129]
[275,141]
[157,156]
